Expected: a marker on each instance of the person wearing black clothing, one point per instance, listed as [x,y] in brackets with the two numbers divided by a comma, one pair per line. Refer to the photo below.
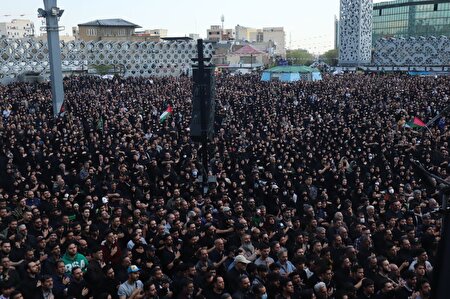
[217,290]
[121,270]
[169,255]
[243,288]
[387,290]
[94,275]
[367,289]
[45,291]
[406,291]
[30,283]
[240,265]
[60,281]
[49,266]
[9,274]
[78,286]
[218,256]
[110,283]
[342,273]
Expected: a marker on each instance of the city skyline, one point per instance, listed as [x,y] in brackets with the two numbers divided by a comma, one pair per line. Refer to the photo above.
[196,16]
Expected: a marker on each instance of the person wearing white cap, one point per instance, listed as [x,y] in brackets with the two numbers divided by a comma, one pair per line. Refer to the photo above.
[133,288]
[240,265]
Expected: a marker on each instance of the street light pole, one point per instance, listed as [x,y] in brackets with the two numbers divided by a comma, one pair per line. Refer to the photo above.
[51,14]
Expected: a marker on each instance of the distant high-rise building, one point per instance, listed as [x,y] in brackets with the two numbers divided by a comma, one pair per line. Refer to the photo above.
[355,32]
[336,32]
[17,28]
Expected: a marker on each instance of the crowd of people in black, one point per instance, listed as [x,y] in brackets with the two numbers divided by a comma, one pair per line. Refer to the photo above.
[316,196]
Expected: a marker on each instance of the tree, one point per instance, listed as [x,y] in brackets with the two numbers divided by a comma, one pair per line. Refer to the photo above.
[330,57]
[299,56]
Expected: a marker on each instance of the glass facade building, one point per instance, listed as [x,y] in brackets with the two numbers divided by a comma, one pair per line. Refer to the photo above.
[405,18]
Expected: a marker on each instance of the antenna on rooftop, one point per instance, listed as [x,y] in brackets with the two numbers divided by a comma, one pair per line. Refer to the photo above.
[222,18]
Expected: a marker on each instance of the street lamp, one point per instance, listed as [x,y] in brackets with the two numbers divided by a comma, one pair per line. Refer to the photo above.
[52,13]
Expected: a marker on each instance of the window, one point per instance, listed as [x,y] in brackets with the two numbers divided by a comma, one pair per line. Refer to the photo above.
[91,31]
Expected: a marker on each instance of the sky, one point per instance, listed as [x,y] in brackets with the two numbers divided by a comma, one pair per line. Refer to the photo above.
[309,24]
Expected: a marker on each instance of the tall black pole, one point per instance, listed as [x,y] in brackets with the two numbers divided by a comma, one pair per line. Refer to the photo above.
[204,104]
[440,287]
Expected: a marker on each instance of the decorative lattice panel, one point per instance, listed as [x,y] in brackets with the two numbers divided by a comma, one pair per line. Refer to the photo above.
[134,58]
[355,37]
[422,51]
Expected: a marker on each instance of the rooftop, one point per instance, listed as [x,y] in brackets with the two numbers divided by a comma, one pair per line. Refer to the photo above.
[110,23]
[177,38]
[247,50]
[292,69]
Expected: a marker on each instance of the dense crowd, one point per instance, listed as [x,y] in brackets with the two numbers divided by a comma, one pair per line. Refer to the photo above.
[316,195]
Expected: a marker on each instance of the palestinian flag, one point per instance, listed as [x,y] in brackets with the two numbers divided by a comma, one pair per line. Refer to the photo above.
[166,114]
[415,123]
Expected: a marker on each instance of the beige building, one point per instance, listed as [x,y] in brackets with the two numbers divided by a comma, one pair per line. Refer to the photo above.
[217,33]
[268,35]
[278,36]
[246,33]
[228,34]
[247,55]
[109,30]
[17,28]
[157,32]
[214,33]
[62,37]
[150,35]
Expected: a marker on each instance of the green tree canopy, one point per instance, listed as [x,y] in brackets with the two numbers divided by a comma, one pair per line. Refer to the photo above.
[299,57]
[330,57]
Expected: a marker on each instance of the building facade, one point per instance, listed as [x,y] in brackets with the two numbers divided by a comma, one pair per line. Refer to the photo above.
[336,33]
[278,36]
[411,18]
[217,33]
[108,30]
[214,33]
[412,52]
[355,32]
[157,32]
[17,28]
[165,58]
[246,33]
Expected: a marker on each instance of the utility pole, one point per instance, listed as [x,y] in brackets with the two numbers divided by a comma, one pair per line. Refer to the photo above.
[201,71]
[52,13]
[202,122]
